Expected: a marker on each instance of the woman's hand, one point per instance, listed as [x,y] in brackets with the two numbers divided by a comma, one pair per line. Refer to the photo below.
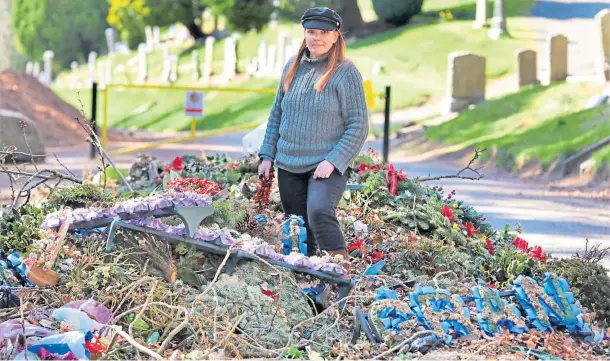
[264,168]
[324,170]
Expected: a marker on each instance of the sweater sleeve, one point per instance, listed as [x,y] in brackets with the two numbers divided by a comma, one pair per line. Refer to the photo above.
[272,133]
[354,109]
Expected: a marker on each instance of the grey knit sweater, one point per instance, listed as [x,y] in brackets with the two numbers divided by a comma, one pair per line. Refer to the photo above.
[306,127]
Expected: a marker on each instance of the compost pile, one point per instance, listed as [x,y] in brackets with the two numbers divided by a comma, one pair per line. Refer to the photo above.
[55,119]
[430,276]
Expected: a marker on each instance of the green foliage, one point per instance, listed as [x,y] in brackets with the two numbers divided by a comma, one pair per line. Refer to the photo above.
[227,212]
[590,283]
[71,29]
[78,196]
[244,15]
[19,228]
[292,10]
[507,264]
[397,12]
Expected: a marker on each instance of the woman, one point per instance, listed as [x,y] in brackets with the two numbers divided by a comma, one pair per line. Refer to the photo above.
[317,126]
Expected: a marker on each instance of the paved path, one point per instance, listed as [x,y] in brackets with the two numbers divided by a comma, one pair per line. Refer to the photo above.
[575,20]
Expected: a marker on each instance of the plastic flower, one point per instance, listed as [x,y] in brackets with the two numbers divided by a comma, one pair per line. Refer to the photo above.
[357,244]
[538,254]
[490,246]
[521,244]
[176,165]
[469,229]
[448,213]
[30,260]
[456,227]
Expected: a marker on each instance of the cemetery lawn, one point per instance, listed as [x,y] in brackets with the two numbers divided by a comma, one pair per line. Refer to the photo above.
[414,59]
[537,124]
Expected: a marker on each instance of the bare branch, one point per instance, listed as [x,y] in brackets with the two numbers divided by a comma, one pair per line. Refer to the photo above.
[459,175]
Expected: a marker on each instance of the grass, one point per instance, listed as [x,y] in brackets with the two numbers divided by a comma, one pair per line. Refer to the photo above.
[535,124]
[414,58]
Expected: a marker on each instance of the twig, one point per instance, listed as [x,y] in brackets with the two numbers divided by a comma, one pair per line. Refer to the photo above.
[459,175]
[176,330]
[398,347]
[442,274]
[27,144]
[63,166]
[215,279]
[227,336]
[482,348]
[137,345]
[54,175]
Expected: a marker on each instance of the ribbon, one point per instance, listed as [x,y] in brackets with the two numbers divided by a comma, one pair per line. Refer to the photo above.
[363,166]
[392,177]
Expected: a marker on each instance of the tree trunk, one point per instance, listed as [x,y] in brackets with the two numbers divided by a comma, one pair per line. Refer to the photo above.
[352,18]
[194,30]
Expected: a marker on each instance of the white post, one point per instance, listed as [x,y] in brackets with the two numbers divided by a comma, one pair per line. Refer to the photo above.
[91,61]
[47,57]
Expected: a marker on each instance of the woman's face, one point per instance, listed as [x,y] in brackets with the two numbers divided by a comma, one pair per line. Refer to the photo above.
[319,41]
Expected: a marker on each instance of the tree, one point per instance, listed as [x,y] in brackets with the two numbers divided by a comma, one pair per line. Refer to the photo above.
[71,29]
[244,15]
[131,16]
[353,24]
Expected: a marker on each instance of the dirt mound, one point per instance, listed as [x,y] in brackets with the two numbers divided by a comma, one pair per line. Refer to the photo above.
[54,118]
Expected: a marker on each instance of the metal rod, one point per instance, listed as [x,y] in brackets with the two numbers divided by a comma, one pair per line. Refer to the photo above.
[105,124]
[386,125]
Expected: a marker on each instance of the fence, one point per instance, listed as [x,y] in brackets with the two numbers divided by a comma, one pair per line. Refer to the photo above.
[371,99]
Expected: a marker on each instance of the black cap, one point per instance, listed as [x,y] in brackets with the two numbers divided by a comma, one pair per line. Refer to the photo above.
[321,18]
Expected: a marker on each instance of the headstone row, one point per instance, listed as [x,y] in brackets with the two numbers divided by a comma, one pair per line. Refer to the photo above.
[466,76]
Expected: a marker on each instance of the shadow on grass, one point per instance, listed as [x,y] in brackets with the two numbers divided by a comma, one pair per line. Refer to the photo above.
[473,123]
[468,11]
[388,35]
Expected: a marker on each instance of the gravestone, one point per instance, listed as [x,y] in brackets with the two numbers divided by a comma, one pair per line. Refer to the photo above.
[91,62]
[196,65]
[251,67]
[296,44]
[75,79]
[173,74]
[149,38]
[527,68]
[156,36]
[29,68]
[557,58]
[36,70]
[465,82]
[230,59]
[167,69]
[142,63]
[498,22]
[47,57]
[288,53]
[481,15]
[262,58]
[270,59]
[603,21]
[207,21]
[110,40]
[209,54]
[282,42]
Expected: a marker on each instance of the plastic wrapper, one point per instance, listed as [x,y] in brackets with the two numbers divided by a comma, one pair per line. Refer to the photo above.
[9,330]
[61,344]
[93,309]
[76,319]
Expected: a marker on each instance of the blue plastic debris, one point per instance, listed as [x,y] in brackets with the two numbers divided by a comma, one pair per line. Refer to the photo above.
[384,293]
[491,300]
[373,270]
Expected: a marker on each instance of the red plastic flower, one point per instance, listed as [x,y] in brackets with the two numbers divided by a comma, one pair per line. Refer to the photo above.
[363,166]
[176,165]
[392,177]
[232,165]
[538,254]
[357,244]
[521,244]
[469,229]
[374,257]
[268,293]
[490,247]
[448,213]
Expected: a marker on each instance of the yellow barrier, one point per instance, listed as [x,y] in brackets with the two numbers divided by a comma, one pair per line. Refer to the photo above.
[368,88]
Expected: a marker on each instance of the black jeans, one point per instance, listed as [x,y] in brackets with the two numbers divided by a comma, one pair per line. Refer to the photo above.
[315,200]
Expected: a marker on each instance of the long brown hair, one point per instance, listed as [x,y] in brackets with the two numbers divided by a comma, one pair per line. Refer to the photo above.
[335,58]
